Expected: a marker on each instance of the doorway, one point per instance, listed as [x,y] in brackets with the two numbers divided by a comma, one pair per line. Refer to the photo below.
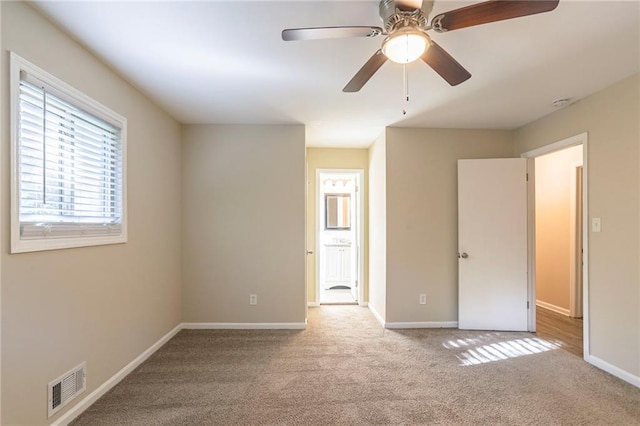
[339,236]
[558,244]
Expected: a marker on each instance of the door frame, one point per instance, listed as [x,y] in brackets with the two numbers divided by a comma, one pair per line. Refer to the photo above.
[581,139]
[359,199]
[575,289]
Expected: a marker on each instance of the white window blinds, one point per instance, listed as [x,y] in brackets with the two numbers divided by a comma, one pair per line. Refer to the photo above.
[69,167]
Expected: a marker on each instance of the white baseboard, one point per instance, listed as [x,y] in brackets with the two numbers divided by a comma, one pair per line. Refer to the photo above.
[77,409]
[422,324]
[553,308]
[244,325]
[363,304]
[377,315]
[613,370]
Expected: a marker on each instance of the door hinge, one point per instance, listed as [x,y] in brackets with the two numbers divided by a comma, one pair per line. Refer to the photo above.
[527,304]
[527,177]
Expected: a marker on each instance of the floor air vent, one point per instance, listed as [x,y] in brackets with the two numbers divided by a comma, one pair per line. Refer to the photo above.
[65,388]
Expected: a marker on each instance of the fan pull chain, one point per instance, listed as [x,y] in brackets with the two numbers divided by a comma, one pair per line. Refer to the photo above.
[406,86]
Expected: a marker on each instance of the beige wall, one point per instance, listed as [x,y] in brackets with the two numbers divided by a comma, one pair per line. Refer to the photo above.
[333,158]
[611,118]
[378,227]
[422,216]
[243,223]
[103,305]
[553,224]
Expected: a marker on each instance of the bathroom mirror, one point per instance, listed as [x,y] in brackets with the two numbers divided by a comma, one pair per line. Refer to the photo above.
[337,211]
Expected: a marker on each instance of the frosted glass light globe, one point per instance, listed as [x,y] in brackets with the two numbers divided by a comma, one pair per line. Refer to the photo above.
[405,46]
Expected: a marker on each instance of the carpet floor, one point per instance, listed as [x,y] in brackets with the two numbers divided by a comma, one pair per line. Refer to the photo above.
[345,369]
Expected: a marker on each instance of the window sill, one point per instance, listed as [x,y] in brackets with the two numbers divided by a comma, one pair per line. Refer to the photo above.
[26,246]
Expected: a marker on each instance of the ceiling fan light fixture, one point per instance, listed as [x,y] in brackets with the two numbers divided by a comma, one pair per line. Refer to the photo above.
[405,46]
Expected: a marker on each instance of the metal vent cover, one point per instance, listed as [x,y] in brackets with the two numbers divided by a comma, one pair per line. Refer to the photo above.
[66,387]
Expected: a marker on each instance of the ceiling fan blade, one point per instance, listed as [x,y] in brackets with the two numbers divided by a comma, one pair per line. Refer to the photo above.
[329,32]
[408,5]
[489,11]
[444,64]
[366,72]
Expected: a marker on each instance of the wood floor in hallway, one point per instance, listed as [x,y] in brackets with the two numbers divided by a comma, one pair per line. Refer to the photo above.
[554,326]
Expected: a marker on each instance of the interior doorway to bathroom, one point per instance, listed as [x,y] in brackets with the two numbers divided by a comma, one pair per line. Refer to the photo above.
[339,236]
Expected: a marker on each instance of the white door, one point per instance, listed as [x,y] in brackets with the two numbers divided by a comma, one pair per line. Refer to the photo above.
[345,266]
[492,244]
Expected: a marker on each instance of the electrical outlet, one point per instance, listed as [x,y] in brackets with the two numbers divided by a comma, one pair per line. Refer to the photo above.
[423,299]
[253,299]
[596,225]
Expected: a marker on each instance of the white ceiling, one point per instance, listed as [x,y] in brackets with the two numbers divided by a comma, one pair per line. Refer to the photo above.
[224,62]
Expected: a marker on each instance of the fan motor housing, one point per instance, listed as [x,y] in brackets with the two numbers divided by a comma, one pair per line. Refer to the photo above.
[394,18]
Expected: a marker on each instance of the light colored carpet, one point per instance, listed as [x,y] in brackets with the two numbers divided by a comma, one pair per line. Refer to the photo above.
[346,370]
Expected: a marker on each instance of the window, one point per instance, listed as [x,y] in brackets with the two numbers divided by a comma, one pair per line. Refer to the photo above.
[68,165]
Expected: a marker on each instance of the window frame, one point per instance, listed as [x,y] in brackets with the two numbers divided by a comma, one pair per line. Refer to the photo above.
[78,99]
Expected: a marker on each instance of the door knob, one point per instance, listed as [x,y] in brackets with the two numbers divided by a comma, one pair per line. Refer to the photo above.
[463,255]
[309,251]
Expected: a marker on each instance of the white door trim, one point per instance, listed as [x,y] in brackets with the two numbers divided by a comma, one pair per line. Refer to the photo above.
[360,255]
[575,290]
[581,139]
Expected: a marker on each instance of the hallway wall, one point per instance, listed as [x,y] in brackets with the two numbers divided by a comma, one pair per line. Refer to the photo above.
[378,227]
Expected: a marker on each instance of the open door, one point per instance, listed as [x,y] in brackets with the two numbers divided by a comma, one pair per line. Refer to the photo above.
[492,244]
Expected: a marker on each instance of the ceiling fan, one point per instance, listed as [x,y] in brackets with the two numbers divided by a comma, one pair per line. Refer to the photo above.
[406,25]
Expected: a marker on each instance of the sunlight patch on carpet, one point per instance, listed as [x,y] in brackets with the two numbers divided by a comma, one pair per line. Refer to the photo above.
[475,352]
